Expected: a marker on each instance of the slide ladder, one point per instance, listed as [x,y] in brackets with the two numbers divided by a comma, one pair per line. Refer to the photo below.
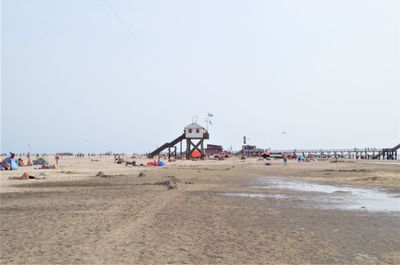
[167,145]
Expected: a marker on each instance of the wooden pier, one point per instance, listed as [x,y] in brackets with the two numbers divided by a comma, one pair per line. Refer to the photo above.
[355,153]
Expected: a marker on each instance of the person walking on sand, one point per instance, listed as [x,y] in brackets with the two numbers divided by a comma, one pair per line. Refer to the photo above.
[57,157]
[285,158]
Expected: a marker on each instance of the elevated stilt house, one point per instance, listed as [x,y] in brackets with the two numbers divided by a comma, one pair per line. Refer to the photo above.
[194,134]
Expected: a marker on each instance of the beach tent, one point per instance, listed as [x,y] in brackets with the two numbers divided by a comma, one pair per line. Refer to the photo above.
[196,154]
[41,161]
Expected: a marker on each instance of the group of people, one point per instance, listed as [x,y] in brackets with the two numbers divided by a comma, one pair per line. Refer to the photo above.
[300,158]
[119,159]
[12,163]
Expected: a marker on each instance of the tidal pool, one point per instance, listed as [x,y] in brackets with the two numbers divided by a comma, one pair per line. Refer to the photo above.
[323,195]
[253,195]
[341,197]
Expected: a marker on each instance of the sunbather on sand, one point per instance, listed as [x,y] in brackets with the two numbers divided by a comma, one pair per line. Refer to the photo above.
[4,165]
[21,162]
[46,166]
[119,160]
[26,176]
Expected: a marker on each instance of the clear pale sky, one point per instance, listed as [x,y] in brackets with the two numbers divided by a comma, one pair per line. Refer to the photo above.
[127,76]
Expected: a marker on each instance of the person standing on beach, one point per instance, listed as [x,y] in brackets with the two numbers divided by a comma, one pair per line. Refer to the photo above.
[57,157]
[285,158]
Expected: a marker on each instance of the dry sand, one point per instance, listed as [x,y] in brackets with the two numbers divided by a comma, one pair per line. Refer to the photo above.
[175,214]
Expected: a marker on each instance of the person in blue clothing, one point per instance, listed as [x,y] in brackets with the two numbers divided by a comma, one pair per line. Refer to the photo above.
[10,162]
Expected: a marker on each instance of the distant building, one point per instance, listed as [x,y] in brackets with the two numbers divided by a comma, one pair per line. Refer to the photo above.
[213,149]
[251,150]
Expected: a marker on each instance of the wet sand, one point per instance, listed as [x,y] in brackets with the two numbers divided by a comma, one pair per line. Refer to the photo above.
[74,217]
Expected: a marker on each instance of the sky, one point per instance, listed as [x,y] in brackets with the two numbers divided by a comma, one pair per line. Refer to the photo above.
[128,76]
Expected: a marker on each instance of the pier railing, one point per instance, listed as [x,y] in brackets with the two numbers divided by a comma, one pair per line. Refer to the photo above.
[365,153]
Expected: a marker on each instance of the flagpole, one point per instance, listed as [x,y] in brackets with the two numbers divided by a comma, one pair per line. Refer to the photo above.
[208,120]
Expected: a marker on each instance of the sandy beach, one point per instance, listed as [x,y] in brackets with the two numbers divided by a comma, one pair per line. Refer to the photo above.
[202,212]
[283,115]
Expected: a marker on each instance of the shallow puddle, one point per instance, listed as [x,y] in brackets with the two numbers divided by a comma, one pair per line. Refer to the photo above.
[323,195]
[341,197]
[253,195]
